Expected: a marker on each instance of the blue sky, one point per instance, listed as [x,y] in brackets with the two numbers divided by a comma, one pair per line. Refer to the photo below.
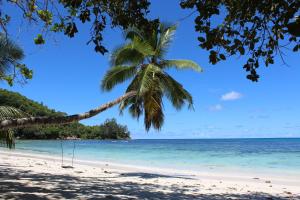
[67,75]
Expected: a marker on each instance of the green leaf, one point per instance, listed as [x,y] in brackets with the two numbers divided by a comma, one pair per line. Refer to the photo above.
[45,15]
[39,40]
[116,75]
[181,64]
[165,39]
[147,78]
[222,56]
[175,92]
[132,53]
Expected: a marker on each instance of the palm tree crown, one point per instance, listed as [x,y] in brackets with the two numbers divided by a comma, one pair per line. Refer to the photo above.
[10,55]
[141,59]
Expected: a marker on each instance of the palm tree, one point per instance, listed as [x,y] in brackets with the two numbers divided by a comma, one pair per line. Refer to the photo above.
[10,55]
[142,59]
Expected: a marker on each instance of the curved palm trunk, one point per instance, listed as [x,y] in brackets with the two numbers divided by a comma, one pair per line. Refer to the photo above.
[32,121]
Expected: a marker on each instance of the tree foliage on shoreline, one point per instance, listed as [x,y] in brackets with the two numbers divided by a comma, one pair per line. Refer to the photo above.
[110,129]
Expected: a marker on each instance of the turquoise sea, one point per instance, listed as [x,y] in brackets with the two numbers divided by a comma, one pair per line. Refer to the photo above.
[188,154]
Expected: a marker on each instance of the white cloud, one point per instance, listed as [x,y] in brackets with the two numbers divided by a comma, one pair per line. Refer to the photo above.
[216,107]
[230,96]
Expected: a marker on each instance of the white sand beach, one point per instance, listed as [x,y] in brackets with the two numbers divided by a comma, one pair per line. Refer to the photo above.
[33,176]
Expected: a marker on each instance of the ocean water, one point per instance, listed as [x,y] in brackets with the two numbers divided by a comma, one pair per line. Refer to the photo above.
[276,155]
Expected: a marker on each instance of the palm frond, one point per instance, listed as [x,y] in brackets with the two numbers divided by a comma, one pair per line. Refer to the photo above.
[165,39]
[132,53]
[142,46]
[8,112]
[133,86]
[148,79]
[10,49]
[116,75]
[175,92]
[135,110]
[125,55]
[181,64]
[136,107]
[132,32]
[153,110]
[148,99]
[10,54]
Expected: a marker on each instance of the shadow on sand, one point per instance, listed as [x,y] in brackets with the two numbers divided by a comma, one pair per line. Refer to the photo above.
[30,186]
[151,175]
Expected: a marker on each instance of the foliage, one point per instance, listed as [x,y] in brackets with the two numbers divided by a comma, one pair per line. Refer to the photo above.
[16,100]
[10,67]
[65,15]
[260,30]
[110,129]
[7,138]
[22,106]
[141,59]
[7,112]
[254,29]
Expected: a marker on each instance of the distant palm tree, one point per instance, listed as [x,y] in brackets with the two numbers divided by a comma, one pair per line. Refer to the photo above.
[142,59]
[10,55]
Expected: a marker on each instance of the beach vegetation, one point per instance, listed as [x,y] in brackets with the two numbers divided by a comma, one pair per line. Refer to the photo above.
[14,105]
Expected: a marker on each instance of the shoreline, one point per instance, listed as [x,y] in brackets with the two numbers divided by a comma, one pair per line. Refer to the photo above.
[193,183]
[288,178]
